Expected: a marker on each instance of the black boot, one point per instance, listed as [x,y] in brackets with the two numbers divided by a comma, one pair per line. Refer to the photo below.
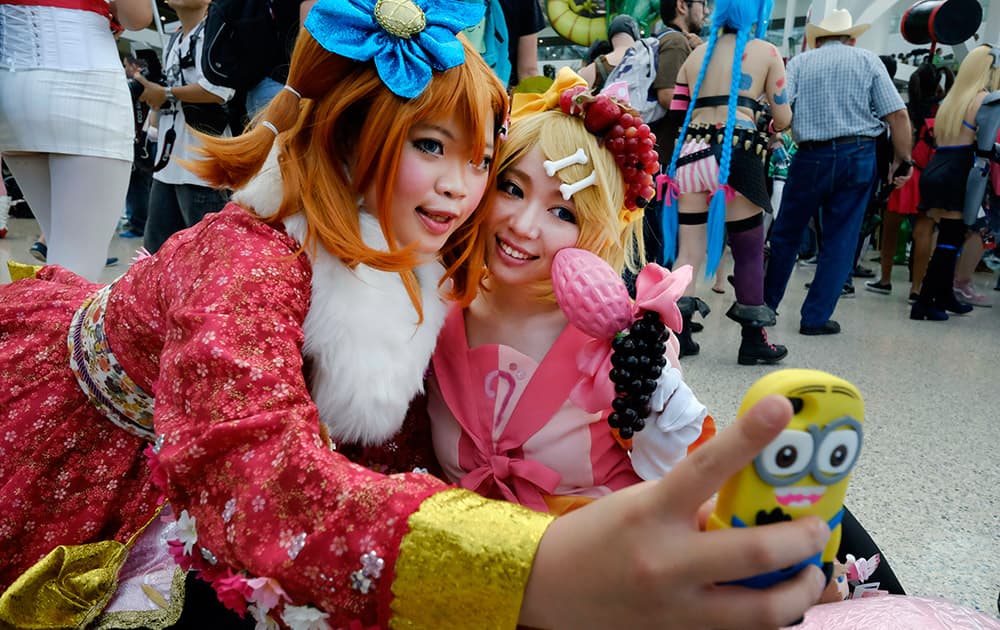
[950,303]
[755,347]
[688,305]
[937,290]
[920,311]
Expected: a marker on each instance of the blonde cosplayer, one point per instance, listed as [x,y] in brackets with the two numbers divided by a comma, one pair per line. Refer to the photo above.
[977,73]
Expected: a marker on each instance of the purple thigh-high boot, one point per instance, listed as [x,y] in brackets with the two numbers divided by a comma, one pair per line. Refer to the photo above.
[746,240]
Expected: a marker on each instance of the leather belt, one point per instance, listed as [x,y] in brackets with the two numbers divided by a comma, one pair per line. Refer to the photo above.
[819,144]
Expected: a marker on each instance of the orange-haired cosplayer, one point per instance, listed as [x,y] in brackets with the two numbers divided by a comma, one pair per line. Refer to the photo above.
[212,372]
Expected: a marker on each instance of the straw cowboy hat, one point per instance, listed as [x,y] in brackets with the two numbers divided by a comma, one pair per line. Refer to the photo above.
[838,23]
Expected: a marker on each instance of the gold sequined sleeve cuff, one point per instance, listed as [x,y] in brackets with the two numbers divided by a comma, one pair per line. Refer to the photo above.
[466,559]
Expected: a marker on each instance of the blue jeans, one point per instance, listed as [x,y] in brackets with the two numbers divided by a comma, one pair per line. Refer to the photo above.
[173,207]
[260,95]
[836,180]
[137,199]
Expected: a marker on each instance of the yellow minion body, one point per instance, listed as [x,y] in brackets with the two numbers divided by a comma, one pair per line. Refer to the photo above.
[805,470]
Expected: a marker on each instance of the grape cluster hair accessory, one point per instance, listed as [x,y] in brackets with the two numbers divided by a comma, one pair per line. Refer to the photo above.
[628,351]
[614,122]
[407,39]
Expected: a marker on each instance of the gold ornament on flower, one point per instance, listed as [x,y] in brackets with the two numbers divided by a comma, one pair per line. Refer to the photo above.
[402,18]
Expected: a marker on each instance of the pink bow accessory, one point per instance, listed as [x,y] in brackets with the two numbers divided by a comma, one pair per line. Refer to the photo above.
[594,391]
[658,290]
[665,181]
[728,192]
[596,301]
[618,90]
[860,569]
[517,480]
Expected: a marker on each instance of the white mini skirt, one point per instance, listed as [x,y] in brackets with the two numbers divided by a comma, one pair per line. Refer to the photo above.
[75,113]
[62,87]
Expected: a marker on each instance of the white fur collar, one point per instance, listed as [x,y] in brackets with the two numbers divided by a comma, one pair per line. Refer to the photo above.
[368,354]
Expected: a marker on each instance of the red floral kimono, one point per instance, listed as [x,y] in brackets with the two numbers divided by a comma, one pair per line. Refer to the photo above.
[215,328]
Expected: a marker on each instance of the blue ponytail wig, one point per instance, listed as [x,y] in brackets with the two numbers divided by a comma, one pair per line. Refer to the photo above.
[741,16]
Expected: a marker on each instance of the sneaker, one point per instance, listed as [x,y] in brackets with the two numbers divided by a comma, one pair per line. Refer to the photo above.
[877,287]
[967,293]
[39,250]
[913,298]
[811,261]
[863,272]
[992,260]
[130,233]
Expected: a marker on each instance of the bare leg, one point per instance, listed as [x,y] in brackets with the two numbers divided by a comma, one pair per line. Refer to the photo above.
[691,243]
[720,275]
[972,253]
[691,239]
[923,234]
[891,221]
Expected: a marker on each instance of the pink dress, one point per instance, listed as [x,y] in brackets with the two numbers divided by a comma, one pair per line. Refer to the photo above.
[503,425]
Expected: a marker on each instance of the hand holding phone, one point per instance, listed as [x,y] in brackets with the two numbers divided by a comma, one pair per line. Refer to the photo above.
[903,170]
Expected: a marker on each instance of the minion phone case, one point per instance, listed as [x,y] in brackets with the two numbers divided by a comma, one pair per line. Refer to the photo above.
[804,470]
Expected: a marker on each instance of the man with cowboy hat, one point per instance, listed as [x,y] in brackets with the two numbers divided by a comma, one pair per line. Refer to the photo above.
[841,98]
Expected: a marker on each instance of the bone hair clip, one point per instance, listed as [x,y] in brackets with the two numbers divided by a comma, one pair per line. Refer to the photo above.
[568,190]
[553,167]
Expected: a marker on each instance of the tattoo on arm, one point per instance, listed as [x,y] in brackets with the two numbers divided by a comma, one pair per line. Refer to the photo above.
[781,98]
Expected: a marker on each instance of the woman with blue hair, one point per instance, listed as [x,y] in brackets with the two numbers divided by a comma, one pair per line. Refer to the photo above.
[716,174]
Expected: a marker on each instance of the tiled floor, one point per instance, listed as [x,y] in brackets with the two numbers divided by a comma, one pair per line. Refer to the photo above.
[926,485]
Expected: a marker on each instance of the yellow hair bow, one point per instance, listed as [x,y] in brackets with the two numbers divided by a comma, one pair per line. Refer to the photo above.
[528,104]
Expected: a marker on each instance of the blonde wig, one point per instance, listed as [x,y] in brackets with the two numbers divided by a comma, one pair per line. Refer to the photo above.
[976,74]
[597,207]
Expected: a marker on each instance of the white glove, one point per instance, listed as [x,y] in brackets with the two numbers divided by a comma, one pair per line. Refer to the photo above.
[674,424]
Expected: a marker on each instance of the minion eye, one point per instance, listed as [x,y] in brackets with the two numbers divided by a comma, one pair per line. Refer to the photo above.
[789,454]
[838,452]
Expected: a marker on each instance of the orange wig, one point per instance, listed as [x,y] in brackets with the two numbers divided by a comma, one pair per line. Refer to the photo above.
[345,134]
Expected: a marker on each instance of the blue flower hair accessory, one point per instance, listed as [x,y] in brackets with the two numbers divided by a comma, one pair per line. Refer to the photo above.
[407,39]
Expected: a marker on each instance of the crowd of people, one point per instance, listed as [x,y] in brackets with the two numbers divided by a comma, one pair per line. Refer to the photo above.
[351,384]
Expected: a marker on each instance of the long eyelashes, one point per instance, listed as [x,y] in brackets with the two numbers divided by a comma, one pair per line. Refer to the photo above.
[510,188]
[429,145]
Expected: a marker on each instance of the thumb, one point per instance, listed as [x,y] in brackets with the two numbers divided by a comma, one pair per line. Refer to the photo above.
[699,475]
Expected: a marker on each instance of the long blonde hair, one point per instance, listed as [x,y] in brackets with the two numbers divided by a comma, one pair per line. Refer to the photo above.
[348,115]
[974,75]
[598,207]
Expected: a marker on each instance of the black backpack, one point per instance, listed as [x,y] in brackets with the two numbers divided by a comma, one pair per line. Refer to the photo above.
[210,118]
[241,43]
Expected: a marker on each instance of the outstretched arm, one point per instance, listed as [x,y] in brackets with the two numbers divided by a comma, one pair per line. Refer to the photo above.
[638,558]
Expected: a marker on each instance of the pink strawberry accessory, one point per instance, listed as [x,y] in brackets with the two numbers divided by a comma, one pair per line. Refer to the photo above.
[596,301]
